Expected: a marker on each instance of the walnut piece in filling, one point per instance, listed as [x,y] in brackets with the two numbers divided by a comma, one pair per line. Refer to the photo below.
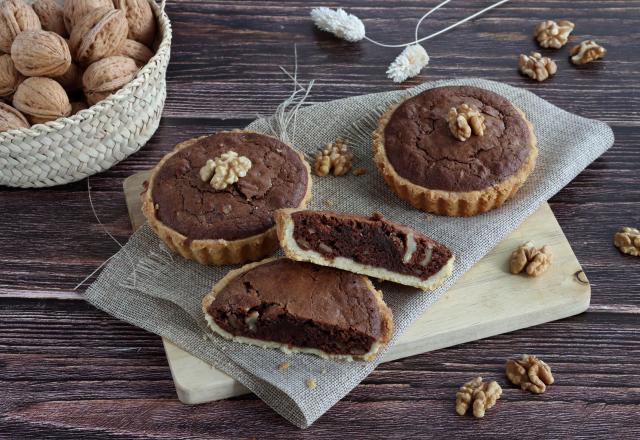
[477,394]
[464,121]
[333,157]
[537,67]
[531,373]
[225,170]
[553,34]
[586,52]
[628,241]
[530,260]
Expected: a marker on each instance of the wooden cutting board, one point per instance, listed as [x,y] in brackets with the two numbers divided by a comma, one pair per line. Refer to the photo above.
[486,301]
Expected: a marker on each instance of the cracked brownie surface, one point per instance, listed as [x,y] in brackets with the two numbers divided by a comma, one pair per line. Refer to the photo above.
[301,304]
[277,179]
[421,148]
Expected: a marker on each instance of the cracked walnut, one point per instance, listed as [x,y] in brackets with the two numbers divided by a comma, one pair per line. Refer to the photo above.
[537,67]
[333,157]
[531,373]
[530,260]
[464,121]
[225,170]
[477,394]
[586,52]
[551,34]
[628,241]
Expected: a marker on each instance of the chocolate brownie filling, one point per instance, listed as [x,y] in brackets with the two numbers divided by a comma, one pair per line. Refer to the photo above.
[371,241]
[421,148]
[184,202]
[301,305]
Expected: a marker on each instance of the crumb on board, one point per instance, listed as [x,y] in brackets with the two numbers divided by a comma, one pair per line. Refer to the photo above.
[312,384]
[324,370]
[359,171]
[283,366]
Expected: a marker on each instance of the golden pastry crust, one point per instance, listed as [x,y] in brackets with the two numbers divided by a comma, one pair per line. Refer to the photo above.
[451,203]
[214,251]
[386,320]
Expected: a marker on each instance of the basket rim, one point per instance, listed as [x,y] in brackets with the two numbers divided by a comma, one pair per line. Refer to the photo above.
[159,57]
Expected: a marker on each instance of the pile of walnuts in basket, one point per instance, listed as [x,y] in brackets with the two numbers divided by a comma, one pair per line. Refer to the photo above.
[58,58]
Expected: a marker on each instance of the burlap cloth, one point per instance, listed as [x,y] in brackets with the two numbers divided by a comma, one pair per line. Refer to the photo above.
[147,286]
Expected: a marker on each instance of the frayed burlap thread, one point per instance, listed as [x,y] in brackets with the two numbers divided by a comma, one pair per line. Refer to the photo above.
[162,292]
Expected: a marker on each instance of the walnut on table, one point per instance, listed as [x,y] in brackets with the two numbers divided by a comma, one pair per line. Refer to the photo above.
[628,241]
[537,67]
[225,170]
[464,121]
[333,157]
[531,373]
[477,394]
[553,34]
[586,52]
[528,259]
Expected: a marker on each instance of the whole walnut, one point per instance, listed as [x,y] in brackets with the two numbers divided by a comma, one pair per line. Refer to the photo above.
[71,80]
[10,118]
[140,53]
[74,10]
[40,53]
[98,34]
[15,16]
[51,16]
[10,78]
[142,22]
[41,100]
[107,76]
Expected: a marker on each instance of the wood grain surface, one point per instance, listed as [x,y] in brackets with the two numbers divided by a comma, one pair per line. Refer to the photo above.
[70,371]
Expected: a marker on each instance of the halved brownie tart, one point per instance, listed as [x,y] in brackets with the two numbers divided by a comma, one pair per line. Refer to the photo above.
[367,245]
[455,150]
[300,307]
[213,198]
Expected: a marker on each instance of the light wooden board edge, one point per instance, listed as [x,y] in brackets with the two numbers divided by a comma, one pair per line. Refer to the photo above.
[486,301]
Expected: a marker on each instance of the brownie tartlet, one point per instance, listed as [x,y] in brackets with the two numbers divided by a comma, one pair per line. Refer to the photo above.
[300,307]
[370,246]
[234,224]
[428,165]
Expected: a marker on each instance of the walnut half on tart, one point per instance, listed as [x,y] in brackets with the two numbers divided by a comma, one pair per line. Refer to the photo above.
[300,307]
[370,246]
[455,150]
[212,199]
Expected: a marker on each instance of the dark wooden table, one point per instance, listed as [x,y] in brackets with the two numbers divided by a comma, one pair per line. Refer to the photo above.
[68,370]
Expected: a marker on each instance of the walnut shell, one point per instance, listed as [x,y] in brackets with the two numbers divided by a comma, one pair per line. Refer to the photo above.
[10,118]
[41,100]
[51,17]
[15,16]
[107,76]
[40,53]
[71,80]
[142,22]
[75,10]
[10,78]
[140,53]
[99,34]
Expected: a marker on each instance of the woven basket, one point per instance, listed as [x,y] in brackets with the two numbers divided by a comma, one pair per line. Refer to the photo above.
[95,139]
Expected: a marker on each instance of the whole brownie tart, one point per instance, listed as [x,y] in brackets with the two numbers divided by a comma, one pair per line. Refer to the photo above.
[370,246]
[213,198]
[455,150]
[323,311]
